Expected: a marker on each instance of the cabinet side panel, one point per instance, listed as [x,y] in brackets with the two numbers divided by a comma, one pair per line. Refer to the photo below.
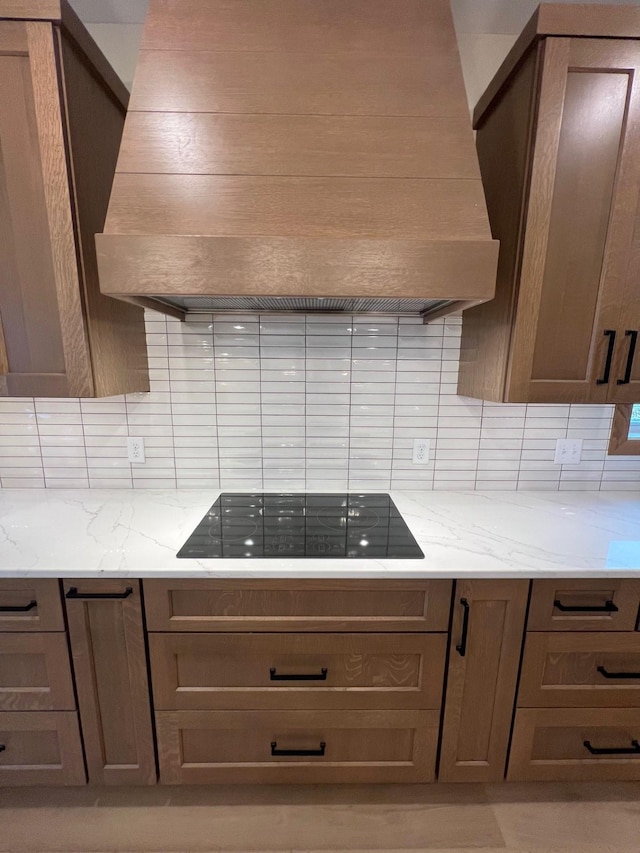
[95,118]
[503,143]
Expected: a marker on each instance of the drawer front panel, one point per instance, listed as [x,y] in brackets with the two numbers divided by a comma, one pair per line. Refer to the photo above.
[210,605]
[291,671]
[584,605]
[584,670]
[40,749]
[201,747]
[30,605]
[582,744]
[35,673]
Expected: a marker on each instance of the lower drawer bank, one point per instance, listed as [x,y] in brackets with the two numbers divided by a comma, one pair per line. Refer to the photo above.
[314,681]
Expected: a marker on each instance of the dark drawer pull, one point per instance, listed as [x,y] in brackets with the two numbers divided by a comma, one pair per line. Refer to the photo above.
[607,674]
[23,609]
[100,596]
[607,607]
[633,335]
[2,747]
[317,752]
[608,333]
[461,648]
[313,676]
[634,749]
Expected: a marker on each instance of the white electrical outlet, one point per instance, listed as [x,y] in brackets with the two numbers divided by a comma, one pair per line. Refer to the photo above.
[421,447]
[135,450]
[568,451]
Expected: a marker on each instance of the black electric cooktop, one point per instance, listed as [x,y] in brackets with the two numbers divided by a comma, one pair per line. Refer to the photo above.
[317,525]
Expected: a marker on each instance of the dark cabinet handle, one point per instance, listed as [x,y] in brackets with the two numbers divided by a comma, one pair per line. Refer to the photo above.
[461,648]
[314,676]
[634,749]
[2,747]
[610,333]
[101,596]
[607,674]
[313,752]
[630,333]
[607,607]
[24,609]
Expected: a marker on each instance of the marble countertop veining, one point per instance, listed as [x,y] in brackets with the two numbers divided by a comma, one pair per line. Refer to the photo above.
[126,533]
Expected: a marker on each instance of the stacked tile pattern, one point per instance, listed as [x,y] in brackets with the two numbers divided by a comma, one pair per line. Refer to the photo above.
[304,402]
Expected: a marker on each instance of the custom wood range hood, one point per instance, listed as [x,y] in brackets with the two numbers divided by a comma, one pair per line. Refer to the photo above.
[298,155]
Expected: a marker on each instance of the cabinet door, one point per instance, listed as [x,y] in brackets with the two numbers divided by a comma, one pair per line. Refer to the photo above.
[580,220]
[625,379]
[484,656]
[43,341]
[110,663]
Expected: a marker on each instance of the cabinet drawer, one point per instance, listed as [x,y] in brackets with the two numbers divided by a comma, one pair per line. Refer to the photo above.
[35,673]
[321,605]
[40,748]
[588,744]
[199,747]
[291,671]
[584,605]
[30,605]
[580,670]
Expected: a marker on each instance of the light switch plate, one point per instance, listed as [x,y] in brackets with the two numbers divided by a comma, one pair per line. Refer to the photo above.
[568,451]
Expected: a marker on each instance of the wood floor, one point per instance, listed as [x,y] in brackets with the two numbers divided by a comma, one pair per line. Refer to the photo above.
[553,818]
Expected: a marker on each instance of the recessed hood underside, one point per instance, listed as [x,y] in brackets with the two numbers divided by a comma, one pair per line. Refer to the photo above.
[304,304]
[278,153]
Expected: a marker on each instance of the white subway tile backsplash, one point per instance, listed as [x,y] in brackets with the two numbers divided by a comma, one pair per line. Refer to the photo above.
[318,402]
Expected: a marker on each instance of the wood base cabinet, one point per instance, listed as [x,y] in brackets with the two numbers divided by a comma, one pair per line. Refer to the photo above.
[484,658]
[198,747]
[297,681]
[577,744]
[110,663]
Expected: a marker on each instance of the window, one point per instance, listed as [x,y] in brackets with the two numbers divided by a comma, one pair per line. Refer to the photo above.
[625,433]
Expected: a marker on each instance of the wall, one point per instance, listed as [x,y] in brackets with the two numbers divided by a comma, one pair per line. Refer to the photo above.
[294,402]
[305,403]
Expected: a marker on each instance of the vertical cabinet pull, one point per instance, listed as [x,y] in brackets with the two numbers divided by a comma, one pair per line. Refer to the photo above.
[19,609]
[609,333]
[461,648]
[633,335]
[2,747]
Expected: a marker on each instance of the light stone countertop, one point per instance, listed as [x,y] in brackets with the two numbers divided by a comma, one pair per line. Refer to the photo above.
[127,533]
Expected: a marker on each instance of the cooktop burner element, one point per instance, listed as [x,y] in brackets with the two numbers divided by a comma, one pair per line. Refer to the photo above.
[290,525]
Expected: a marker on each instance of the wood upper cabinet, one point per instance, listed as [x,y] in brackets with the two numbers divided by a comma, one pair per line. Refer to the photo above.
[62,111]
[484,656]
[559,148]
[110,663]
